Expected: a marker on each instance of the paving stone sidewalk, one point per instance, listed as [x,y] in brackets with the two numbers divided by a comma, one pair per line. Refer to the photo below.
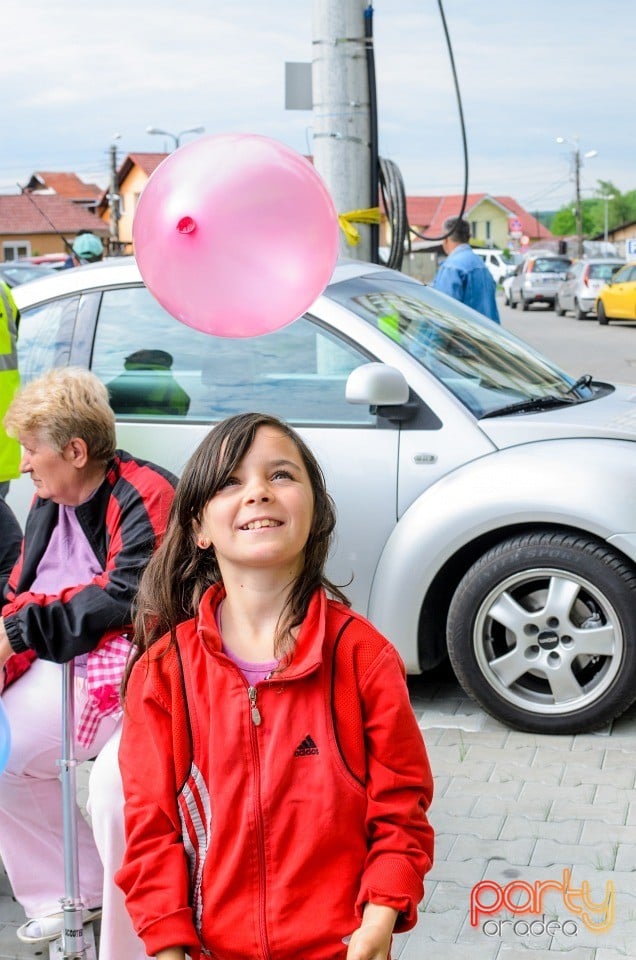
[509,808]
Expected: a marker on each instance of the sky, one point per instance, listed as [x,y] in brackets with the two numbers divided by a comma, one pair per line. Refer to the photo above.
[76,75]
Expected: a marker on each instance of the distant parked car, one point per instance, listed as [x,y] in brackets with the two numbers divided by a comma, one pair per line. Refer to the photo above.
[498,266]
[617,300]
[485,498]
[506,284]
[14,272]
[537,280]
[583,282]
[54,260]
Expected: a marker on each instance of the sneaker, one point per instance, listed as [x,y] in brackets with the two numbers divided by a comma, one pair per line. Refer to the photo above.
[43,929]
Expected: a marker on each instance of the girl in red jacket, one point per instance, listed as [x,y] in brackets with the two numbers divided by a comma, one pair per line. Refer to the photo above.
[276,780]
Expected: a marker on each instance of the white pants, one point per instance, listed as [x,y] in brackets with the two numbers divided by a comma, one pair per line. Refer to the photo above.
[31,817]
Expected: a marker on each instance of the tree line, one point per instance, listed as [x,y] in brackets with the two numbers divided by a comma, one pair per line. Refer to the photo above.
[621,208]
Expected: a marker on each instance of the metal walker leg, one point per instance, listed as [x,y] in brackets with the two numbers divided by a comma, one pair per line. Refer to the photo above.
[77,941]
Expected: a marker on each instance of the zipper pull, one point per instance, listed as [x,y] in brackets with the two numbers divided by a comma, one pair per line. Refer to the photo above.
[256,716]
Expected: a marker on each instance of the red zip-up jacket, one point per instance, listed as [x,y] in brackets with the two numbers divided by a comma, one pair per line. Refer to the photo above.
[260,820]
[124,522]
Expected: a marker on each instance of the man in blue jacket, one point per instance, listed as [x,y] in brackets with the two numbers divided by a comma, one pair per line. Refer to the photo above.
[463,275]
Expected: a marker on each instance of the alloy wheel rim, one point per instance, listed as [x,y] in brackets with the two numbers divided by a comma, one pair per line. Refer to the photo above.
[547,641]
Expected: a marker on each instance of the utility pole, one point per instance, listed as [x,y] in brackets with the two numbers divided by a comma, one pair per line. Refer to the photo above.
[606,199]
[113,204]
[341,112]
[577,163]
[578,211]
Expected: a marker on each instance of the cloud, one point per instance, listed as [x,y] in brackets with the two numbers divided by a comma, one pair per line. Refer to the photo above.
[527,75]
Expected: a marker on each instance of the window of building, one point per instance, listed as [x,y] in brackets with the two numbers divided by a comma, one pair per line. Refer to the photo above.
[14,249]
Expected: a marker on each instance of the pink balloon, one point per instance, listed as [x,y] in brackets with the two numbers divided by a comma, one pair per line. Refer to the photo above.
[236,235]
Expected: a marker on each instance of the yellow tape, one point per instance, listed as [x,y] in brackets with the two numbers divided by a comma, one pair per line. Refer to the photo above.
[346,221]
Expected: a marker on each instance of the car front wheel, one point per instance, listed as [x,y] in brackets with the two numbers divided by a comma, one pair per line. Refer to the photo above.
[560,312]
[542,633]
[600,313]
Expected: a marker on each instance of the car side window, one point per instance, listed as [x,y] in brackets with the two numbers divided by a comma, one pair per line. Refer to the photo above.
[45,334]
[156,367]
[624,275]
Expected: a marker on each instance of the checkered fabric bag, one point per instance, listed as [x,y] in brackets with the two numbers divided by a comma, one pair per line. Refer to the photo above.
[104,671]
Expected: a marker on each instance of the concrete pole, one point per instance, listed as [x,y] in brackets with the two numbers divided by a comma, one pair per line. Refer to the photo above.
[341,123]
[113,204]
[578,211]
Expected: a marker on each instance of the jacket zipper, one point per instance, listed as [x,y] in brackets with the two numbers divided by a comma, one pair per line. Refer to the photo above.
[258,817]
[256,714]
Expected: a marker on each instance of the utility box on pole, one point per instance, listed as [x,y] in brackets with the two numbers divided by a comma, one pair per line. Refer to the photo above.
[341,114]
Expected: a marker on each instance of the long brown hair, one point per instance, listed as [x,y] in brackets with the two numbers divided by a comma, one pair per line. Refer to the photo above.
[180,572]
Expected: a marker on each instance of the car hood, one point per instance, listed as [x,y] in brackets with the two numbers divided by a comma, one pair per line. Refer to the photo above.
[611,416]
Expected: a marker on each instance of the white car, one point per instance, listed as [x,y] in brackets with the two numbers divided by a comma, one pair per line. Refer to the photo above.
[485,499]
[497,265]
[505,286]
[537,280]
[582,284]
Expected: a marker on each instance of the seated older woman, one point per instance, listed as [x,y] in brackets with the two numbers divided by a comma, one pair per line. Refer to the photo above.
[98,515]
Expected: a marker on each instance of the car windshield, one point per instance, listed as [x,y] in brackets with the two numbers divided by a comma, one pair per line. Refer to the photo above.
[482,364]
[20,274]
[550,265]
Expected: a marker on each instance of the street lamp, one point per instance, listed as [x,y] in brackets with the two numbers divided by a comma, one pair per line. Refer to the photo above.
[577,163]
[174,136]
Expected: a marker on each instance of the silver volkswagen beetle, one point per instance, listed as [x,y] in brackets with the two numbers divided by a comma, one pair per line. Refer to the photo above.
[486,499]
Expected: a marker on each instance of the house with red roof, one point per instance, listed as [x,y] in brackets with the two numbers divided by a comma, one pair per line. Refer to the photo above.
[67,185]
[494,221]
[132,176]
[37,223]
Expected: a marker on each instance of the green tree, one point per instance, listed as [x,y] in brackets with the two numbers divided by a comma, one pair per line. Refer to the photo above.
[563,222]
[620,209]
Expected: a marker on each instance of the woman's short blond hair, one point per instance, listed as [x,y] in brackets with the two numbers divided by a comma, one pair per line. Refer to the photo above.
[64,403]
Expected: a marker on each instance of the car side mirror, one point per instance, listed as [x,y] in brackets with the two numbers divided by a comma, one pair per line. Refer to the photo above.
[377,384]
[384,389]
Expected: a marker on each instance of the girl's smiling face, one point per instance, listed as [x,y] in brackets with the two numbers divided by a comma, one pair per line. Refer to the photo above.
[262,516]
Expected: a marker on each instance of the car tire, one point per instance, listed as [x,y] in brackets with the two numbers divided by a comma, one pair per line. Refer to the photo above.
[524,304]
[603,319]
[578,313]
[513,305]
[560,312]
[541,632]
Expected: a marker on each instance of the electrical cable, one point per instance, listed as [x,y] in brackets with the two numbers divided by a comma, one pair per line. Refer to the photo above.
[394,203]
[390,179]
[27,193]
[462,127]
[373,127]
